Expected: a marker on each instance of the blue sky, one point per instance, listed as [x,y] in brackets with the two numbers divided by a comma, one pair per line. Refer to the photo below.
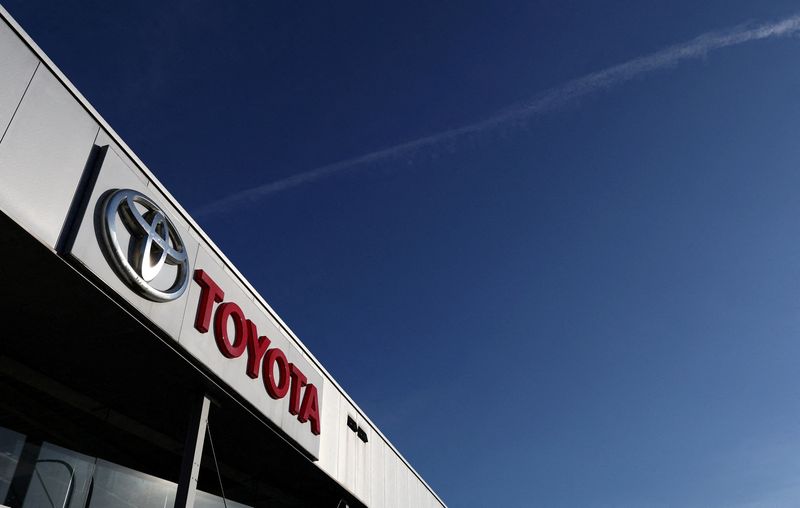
[593,305]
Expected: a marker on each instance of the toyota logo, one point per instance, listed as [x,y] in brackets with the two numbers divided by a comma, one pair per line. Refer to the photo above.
[154,243]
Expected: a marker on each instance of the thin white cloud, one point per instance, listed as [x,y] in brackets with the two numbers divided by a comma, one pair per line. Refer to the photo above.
[549,100]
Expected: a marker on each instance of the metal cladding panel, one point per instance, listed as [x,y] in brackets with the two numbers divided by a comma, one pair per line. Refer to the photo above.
[389,478]
[377,450]
[346,469]
[426,499]
[401,483]
[43,155]
[411,498]
[416,491]
[417,497]
[332,429]
[408,481]
[429,500]
[362,461]
[176,318]
[18,64]
[411,481]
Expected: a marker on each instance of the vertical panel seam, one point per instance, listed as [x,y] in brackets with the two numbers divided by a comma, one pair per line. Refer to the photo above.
[24,93]
[80,199]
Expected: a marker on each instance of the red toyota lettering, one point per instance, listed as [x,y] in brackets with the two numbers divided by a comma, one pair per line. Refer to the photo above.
[298,381]
[209,293]
[280,377]
[275,357]
[256,347]
[226,311]
[309,410]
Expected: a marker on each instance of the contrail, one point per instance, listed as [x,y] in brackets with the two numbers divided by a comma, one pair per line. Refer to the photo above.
[548,100]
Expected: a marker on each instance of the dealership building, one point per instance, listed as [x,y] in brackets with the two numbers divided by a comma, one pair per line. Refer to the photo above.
[138,367]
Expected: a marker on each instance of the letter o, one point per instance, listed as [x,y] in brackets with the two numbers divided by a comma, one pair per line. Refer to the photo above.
[230,310]
[274,389]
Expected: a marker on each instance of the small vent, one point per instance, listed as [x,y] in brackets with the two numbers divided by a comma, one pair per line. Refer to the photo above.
[352,424]
[362,435]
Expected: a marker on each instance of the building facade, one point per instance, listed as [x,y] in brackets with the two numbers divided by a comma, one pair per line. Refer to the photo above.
[138,367]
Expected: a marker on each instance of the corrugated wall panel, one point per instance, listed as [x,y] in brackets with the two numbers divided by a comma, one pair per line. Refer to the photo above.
[362,462]
[331,430]
[377,451]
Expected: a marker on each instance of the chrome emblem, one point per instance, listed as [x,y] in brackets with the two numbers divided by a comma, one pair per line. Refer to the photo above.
[154,243]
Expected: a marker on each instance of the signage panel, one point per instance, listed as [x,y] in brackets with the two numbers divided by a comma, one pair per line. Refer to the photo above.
[131,238]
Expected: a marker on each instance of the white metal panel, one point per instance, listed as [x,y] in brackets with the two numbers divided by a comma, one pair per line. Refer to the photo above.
[408,481]
[419,492]
[362,461]
[347,446]
[332,428]
[377,450]
[411,493]
[401,482]
[390,478]
[104,139]
[17,63]
[428,499]
[417,496]
[43,155]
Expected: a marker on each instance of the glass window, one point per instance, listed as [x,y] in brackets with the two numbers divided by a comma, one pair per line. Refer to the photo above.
[60,478]
[10,449]
[120,487]
[206,500]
